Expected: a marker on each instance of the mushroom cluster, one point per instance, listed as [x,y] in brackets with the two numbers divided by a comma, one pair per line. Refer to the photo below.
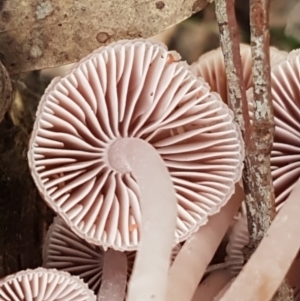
[139,156]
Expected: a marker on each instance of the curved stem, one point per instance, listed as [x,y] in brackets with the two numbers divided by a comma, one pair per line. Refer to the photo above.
[159,211]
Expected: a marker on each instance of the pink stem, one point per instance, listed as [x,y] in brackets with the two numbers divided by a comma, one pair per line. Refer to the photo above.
[267,267]
[159,212]
[114,278]
[212,285]
[192,260]
[223,290]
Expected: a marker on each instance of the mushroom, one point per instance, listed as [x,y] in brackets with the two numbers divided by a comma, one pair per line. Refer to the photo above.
[131,89]
[117,136]
[64,250]
[211,67]
[44,285]
[285,155]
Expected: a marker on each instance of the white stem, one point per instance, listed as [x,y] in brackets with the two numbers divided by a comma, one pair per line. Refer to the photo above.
[114,277]
[192,260]
[267,267]
[159,211]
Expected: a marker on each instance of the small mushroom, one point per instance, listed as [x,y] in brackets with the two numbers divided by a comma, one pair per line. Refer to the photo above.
[211,67]
[64,250]
[132,89]
[44,285]
[285,155]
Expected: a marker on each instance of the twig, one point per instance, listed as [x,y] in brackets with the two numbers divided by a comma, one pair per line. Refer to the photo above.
[258,183]
[229,39]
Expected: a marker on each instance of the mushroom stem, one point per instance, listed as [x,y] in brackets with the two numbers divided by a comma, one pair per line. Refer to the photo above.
[159,212]
[212,285]
[114,278]
[192,260]
[223,290]
[265,272]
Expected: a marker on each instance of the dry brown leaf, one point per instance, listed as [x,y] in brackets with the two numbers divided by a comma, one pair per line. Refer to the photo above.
[36,34]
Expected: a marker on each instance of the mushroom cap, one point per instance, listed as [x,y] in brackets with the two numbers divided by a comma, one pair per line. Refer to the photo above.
[285,155]
[132,89]
[44,285]
[211,67]
[64,250]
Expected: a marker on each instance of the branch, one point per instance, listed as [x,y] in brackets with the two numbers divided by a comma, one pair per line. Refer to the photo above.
[260,201]
[36,34]
[259,190]
[230,43]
